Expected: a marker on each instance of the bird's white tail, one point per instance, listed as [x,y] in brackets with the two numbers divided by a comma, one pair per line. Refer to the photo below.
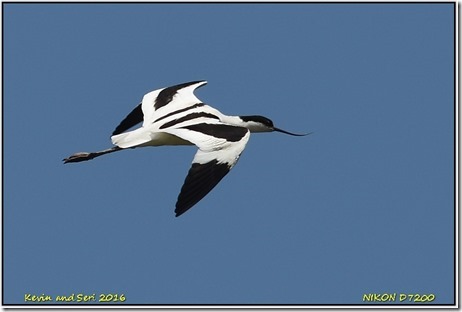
[131,139]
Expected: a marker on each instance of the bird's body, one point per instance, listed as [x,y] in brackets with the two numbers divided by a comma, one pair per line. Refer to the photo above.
[175,116]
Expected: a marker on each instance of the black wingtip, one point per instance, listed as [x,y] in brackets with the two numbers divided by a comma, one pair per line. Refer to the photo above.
[132,119]
[201,179]
[181,210]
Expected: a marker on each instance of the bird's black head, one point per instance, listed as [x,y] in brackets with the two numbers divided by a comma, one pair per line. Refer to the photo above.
[256,123]
[259,120]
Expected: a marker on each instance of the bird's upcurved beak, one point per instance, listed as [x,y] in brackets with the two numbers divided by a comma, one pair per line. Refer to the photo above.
[290,133]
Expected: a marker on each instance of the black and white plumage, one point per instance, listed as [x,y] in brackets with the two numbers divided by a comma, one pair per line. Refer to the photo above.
[175,116]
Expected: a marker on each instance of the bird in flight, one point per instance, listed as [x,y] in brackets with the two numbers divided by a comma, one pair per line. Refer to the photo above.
[175,116]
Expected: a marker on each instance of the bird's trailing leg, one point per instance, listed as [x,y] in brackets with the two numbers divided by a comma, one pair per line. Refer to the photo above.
[82,156]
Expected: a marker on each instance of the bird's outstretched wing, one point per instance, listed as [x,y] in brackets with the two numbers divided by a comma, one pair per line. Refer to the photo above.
[177,111]
[135,117]
[220,146]
[160,104]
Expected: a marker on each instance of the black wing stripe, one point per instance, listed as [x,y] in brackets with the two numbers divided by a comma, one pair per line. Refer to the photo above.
[186,118]
[135,117]
[223,131]
[166,95]
[201,179]
[180,111]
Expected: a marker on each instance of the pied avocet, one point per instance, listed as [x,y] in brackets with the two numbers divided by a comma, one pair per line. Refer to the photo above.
[175,116]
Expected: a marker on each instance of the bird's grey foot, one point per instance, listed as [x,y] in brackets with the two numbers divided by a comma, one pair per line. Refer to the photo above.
[77,157]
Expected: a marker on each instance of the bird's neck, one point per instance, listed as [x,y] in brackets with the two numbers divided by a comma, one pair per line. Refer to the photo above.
[233,120]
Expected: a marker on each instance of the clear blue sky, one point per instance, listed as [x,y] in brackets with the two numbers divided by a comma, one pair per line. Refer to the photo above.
[363,205]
